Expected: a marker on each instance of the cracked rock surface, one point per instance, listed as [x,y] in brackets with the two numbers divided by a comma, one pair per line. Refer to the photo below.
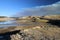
[35,33]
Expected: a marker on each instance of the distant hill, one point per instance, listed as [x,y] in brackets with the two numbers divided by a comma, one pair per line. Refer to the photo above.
[52,17]
[3,16]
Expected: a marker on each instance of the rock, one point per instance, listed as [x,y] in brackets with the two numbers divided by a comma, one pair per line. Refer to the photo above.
[16,37]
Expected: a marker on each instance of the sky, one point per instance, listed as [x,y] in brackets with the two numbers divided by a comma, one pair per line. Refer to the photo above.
[28,7]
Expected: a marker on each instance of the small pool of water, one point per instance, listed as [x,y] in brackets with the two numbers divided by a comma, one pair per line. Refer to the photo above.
[14,23]
[8,23]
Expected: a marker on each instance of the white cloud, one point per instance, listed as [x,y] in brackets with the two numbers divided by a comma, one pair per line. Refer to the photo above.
[42,10]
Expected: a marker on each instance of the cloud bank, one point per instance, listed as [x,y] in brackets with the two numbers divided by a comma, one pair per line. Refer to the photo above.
[41,10]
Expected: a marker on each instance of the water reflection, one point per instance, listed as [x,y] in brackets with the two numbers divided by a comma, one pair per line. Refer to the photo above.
[8,23]
[14,23]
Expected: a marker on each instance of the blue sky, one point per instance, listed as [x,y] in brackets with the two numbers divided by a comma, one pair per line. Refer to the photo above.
[12,7]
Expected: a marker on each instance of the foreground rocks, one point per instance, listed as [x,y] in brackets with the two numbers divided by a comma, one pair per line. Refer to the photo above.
[35,33]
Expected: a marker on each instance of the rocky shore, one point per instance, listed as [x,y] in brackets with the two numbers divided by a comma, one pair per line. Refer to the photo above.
[39,30]
[42,32]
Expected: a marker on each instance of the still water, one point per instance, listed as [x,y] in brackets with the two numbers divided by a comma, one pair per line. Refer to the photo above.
[8,23]
[13,23]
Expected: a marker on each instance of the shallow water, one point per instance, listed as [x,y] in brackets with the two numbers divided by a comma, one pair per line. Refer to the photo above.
[13,23]
[8,23]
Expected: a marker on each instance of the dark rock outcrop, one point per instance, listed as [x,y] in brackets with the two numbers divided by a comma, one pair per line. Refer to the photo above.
[54,22]
[6,36]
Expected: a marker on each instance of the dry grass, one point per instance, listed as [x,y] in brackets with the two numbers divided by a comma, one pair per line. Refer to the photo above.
[42,20]
[52,17]
[39,33]
[3,30]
